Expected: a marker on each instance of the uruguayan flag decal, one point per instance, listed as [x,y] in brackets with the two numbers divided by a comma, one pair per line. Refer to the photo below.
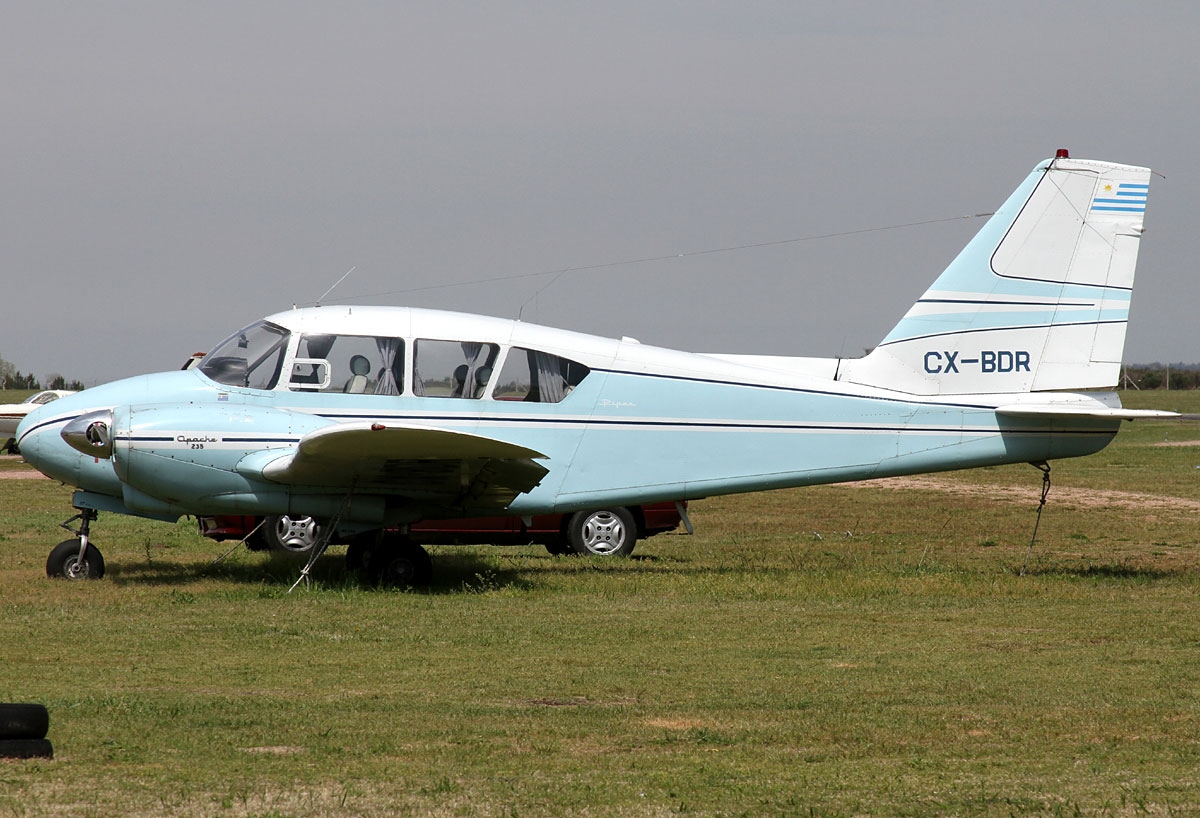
[1125,197]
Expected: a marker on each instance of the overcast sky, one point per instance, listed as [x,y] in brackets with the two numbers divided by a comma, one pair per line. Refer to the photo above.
[172,171]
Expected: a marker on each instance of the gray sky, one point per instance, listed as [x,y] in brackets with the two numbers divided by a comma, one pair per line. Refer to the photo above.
[174,170]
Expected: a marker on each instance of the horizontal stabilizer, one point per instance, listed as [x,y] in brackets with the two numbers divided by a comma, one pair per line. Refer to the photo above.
[1065,410]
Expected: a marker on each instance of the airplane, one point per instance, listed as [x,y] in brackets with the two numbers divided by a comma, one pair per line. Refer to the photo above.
[12,413]
[372,417]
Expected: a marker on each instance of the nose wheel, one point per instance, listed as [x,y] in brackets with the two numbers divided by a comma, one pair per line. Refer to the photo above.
[76,558]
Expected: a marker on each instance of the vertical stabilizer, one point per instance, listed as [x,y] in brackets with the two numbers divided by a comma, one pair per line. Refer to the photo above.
[1037,301]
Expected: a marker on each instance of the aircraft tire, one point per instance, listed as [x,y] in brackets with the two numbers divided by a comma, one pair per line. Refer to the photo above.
[361,548]
[403,565]
[604,532]
[23,721]
[64,562]
[26,748]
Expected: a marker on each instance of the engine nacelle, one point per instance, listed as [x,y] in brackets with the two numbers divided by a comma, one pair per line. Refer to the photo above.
[186,455]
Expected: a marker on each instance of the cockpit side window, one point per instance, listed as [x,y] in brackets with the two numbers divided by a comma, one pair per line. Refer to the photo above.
[452,369]
[249,358]
[350,364]
[537,377]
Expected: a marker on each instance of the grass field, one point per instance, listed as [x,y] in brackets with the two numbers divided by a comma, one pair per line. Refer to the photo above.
[843,650]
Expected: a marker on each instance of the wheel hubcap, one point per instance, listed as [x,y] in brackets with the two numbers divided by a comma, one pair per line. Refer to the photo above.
[603,533]
[297,534]
[400,571]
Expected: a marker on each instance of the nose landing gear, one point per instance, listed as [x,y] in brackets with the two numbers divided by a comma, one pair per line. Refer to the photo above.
[76,558]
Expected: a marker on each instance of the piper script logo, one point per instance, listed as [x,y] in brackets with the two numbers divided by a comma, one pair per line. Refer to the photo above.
[988,362]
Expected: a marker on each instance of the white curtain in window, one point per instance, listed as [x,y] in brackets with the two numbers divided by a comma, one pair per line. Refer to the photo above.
[472,351]
[388,347]
[549,377]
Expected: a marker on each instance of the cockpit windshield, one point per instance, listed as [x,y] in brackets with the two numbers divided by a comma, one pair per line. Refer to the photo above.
[44,397]
[249,358]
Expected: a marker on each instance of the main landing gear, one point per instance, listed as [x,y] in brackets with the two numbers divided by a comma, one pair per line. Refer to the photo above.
[390,560]
[76,558]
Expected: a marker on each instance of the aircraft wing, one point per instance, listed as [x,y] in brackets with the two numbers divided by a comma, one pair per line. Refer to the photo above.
[416,461]
[1075,410]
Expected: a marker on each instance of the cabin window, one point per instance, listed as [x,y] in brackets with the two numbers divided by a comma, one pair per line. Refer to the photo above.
[537,377]
[249,358]
[452,369]
[349,364]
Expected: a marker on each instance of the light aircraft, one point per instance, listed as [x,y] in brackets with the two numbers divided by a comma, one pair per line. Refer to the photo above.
[12,413]
[372,417]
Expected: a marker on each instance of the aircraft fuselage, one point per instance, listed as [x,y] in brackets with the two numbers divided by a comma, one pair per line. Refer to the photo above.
[644,424]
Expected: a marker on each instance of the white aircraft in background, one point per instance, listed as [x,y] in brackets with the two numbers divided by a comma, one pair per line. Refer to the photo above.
[373,417]
[12,414]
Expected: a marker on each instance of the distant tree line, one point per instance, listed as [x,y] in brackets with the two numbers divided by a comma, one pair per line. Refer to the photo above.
[1161,376]
[13,378]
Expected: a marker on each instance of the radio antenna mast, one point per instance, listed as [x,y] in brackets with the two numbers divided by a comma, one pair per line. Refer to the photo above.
[339,281]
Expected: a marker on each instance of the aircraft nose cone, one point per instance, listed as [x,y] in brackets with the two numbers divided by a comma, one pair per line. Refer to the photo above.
[36,442]
[29,445]
[80,461]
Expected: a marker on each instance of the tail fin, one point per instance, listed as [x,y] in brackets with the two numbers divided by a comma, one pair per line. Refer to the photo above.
[1037,301]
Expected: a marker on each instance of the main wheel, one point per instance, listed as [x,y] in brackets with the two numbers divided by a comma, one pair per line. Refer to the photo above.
[605,532]
[361,548]
[401,565]
[290,535]
[64,561]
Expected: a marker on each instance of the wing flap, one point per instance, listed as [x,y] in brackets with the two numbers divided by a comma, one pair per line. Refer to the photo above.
[406,441]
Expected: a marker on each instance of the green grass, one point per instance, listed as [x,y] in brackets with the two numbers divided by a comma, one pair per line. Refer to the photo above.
[841,650]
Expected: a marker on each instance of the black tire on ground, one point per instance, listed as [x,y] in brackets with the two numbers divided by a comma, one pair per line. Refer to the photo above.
[64,562]
[26,748]
[23,721]
[605,532]
[401,564]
